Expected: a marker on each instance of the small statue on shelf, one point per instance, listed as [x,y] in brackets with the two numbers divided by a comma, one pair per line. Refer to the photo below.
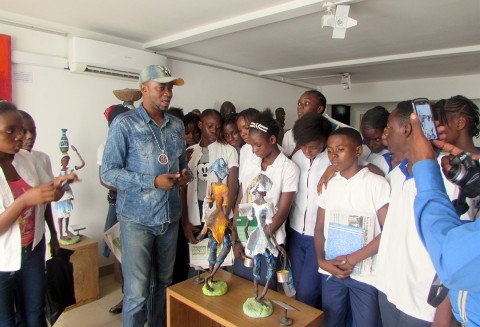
[64,206]
[261,242]
[217,226]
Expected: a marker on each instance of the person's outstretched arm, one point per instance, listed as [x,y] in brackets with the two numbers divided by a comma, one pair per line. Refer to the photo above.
[453,245]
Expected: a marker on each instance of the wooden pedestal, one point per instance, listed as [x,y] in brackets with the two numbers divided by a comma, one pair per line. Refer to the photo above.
[187,306]
[85,270]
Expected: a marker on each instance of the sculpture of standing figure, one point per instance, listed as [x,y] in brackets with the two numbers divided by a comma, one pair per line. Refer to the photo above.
[261,241]
[217,225]
[64,206]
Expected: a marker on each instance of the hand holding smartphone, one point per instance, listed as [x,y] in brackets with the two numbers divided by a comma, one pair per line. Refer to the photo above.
[425,115]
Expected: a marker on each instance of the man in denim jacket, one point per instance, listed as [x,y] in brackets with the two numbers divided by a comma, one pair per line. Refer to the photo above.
[145,161]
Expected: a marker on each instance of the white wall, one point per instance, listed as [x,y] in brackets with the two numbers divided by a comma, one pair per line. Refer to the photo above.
[207,87]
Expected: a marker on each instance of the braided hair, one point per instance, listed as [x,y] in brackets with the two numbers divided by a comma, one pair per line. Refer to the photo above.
[459,105]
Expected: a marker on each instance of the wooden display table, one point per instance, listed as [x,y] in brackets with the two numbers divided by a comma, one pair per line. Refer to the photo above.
[85,270]
[187,306]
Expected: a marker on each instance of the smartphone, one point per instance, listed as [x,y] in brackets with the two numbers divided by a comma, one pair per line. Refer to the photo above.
[425,115]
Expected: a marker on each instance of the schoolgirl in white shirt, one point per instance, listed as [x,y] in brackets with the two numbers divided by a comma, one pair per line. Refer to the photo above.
[22,224]
[311,133]
[279,169]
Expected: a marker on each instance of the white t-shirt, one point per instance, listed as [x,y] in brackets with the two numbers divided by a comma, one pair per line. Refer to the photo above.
[356,200]
[404,269]
[303,215]
[284,175]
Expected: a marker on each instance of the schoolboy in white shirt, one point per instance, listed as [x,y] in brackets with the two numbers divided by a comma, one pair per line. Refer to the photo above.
[355,200]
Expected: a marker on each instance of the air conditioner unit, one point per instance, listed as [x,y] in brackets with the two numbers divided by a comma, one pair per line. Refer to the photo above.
[90,56]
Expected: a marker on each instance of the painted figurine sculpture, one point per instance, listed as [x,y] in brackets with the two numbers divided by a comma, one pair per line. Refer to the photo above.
[217,227]
[261,242]
[64,206]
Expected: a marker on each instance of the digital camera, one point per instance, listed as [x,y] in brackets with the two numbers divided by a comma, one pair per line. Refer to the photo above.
[465,172]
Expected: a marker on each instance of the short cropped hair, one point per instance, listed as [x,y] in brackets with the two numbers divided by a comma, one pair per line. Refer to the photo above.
[211,112]
[6,106]
[375,118]
[349,132]
[175,111]
[403,111]
[248,114]
[191,118]
[320,97]
[231,119]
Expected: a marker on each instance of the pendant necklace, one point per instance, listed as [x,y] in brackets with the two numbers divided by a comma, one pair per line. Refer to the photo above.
[162,158]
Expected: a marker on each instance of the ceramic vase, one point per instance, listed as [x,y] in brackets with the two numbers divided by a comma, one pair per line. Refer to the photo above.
[64,144]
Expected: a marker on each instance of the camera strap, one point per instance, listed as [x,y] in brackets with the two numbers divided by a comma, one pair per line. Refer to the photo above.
[438,292]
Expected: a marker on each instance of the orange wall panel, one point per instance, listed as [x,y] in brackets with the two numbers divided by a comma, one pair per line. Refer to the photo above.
[5,68]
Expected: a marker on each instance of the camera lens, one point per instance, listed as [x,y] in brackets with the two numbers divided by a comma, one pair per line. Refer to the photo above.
[456,174]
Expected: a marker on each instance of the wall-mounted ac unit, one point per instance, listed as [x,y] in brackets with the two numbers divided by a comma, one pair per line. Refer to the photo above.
[90,56]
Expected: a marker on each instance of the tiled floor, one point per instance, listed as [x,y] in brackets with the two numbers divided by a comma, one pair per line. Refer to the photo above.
[95,314]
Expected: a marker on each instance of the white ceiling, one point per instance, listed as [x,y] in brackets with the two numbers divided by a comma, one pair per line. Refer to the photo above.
[279,39]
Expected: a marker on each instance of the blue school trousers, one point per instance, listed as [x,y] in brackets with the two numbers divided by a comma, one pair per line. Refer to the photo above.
[306,278]
[363,299]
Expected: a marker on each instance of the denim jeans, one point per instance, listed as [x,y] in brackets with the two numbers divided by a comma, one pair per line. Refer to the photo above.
[148,256]
[239,269]
[24,290]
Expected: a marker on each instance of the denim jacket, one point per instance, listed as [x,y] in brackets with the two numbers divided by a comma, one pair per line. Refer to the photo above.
[130,164]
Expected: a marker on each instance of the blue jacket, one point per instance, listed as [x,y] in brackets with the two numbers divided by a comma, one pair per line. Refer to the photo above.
[453,244]
[130,164]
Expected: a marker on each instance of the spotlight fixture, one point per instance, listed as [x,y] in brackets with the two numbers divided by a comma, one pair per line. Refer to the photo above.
[346,81]
[336,17]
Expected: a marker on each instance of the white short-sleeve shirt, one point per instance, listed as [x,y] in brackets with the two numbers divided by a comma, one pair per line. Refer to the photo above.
[404,269]
[362,194]
[303,215]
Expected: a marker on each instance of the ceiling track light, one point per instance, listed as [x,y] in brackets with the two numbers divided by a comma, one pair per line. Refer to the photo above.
[346,81]
[336,17]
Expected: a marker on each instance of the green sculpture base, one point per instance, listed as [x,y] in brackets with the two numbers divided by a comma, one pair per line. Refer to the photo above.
[219,288]
[254,309]
[69,241]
